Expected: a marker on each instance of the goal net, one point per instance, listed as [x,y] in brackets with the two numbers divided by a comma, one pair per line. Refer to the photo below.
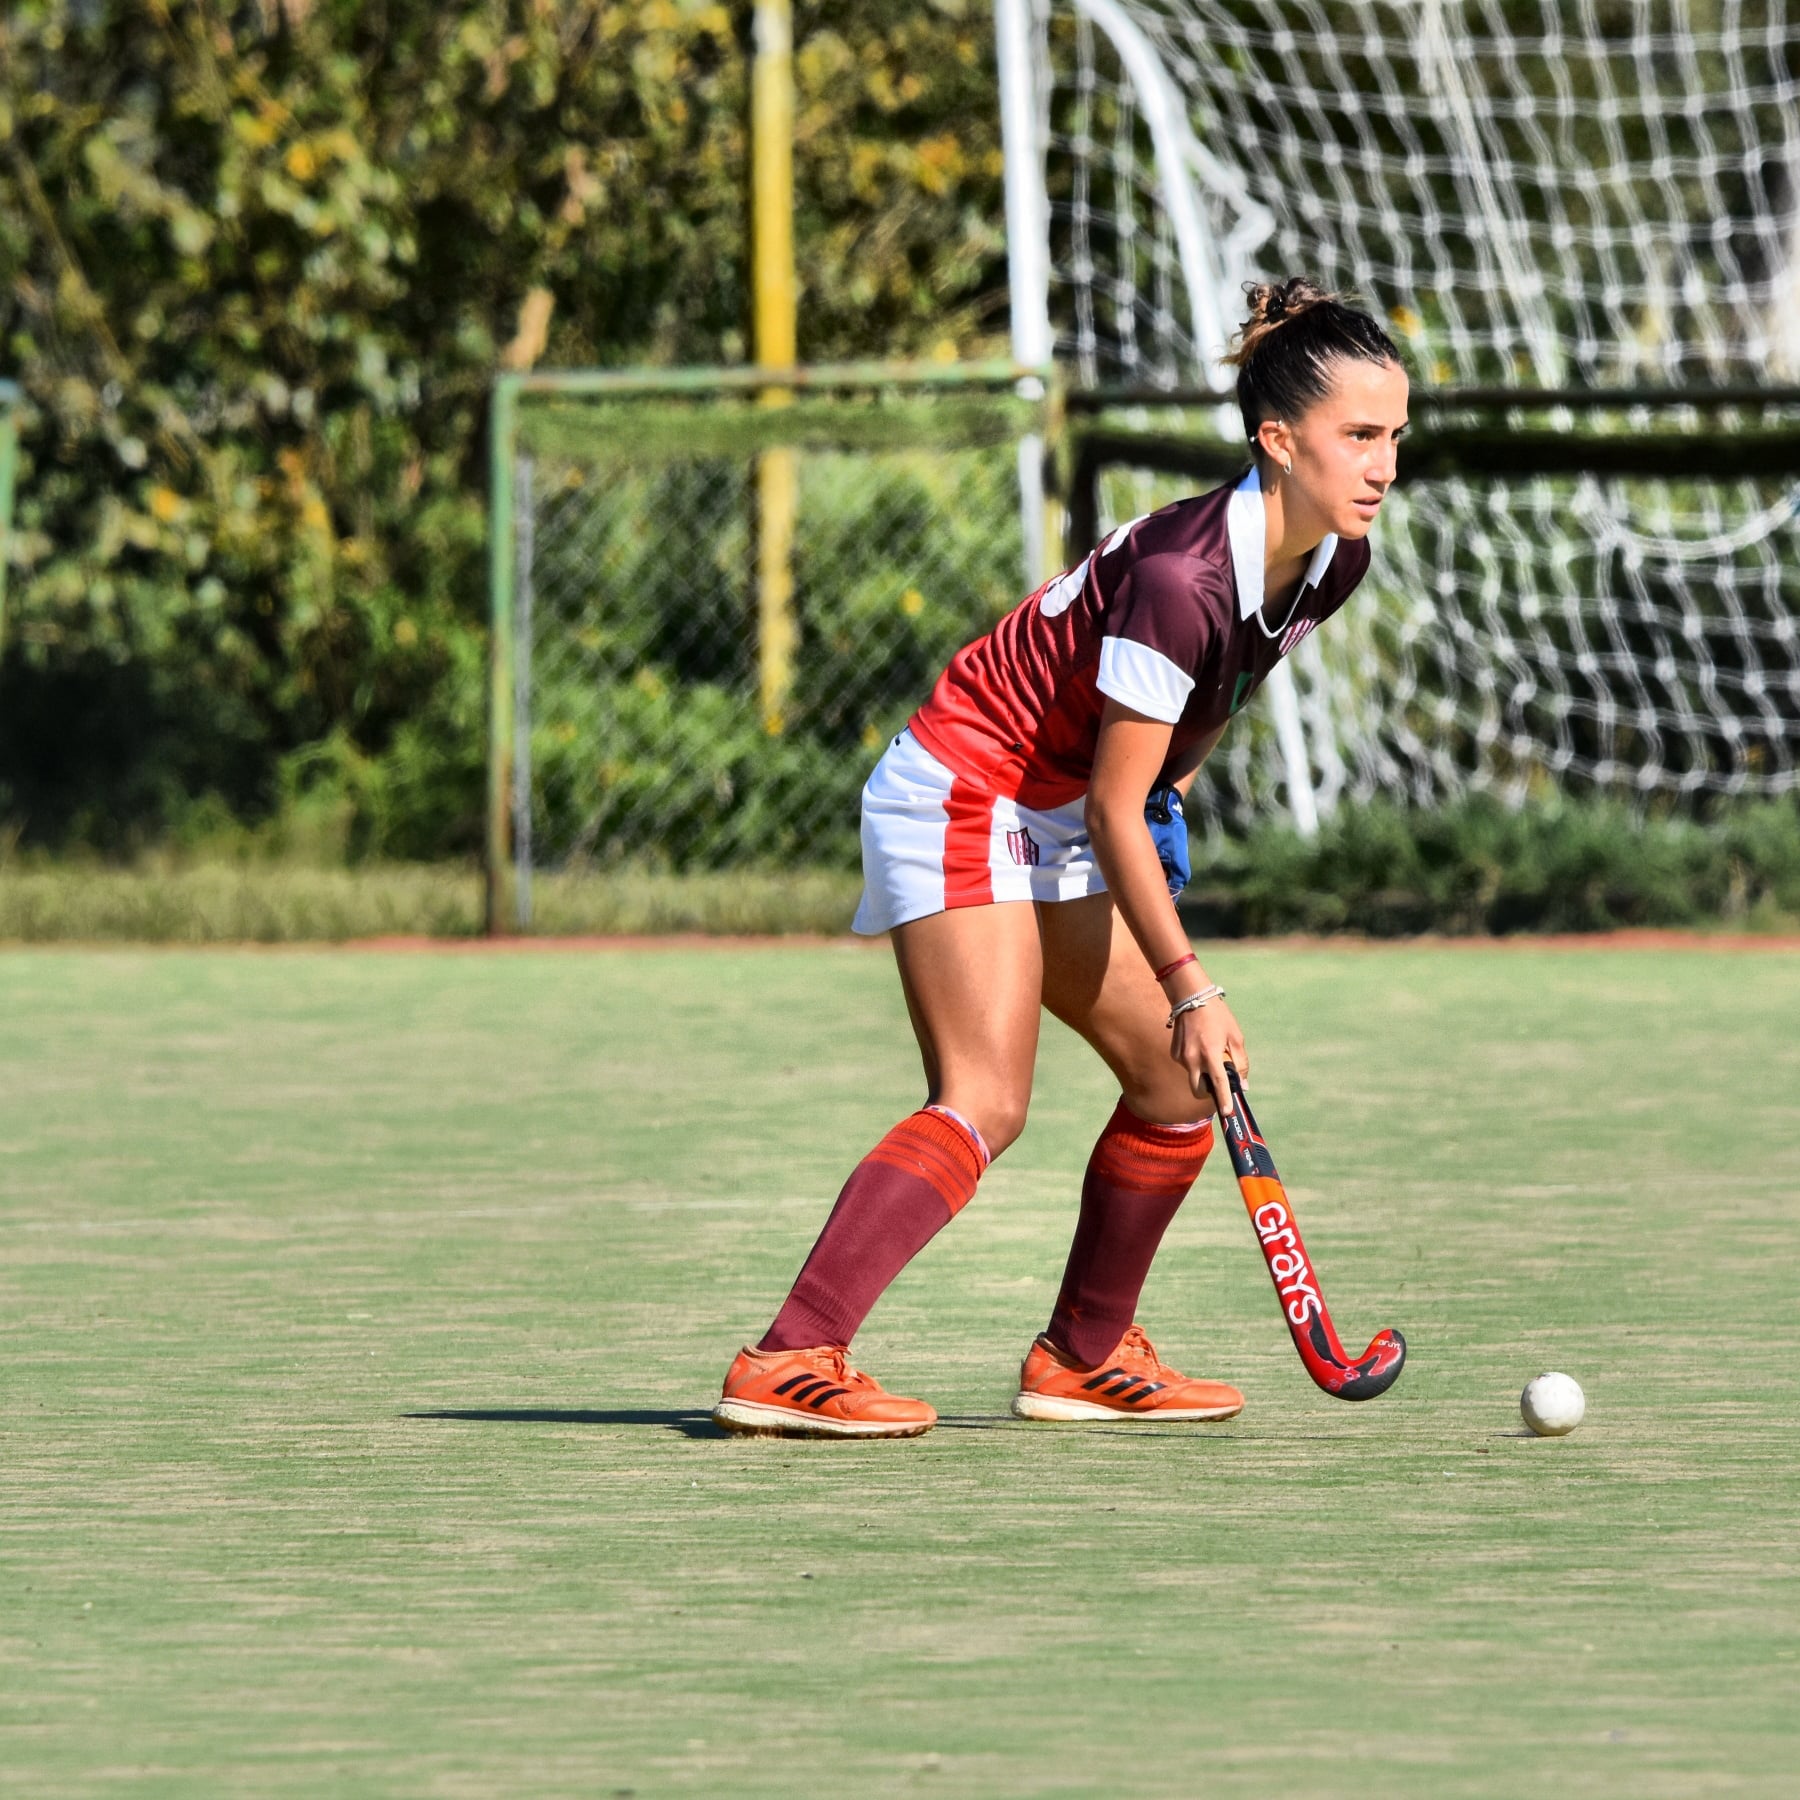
[1599,198]
[1522,635]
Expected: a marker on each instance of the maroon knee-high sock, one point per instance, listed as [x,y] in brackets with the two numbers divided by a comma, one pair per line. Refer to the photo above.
[898,1198]
[1136,1180]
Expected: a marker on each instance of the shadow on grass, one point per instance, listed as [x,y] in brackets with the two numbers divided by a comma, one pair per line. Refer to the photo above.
[688,1423]
[695,1424]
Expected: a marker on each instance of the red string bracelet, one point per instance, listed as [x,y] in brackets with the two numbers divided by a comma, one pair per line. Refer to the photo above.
[1181,962]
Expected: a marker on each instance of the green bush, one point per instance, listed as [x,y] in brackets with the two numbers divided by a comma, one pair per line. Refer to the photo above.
[1477,867]
[259,262]
[686,769]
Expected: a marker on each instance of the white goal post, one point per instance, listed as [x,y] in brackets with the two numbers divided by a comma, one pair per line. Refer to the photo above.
[1591,207]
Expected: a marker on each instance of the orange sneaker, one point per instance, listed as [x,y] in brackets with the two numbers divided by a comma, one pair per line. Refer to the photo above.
[1132,1383]
[813,1393]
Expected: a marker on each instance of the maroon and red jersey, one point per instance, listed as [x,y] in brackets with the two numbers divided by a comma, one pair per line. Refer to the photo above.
[1165,617]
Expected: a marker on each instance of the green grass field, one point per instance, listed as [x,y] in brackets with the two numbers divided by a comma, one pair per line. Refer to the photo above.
[360,1312]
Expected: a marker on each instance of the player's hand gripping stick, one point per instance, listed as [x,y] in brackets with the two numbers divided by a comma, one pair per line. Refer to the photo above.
[1290,1268]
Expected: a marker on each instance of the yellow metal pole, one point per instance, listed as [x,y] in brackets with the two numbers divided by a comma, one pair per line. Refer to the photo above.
[775,308]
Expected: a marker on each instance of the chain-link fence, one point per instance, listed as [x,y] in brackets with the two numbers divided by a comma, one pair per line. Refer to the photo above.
[719,609]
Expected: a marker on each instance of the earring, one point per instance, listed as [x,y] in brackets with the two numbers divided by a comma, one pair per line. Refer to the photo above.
[1287,467]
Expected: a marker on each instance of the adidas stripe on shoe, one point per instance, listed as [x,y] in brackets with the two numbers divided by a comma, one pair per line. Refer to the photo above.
[1132,1383]
[813,1393]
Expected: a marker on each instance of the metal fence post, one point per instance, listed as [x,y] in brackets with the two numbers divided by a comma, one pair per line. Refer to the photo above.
[502,424]
[1027,251]
[525,539]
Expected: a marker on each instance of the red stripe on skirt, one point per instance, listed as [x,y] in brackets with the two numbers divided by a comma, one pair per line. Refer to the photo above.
[968,880]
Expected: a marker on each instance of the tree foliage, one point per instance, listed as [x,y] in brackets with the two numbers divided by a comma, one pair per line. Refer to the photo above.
[259,263]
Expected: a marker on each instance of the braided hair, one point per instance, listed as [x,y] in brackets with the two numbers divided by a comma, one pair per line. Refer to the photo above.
[1284,351]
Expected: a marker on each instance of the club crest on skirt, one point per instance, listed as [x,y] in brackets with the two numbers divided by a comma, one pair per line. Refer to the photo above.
[1024,848]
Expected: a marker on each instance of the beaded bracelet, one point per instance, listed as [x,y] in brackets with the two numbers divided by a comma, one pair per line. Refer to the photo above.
[1181,962]
[1193,1003]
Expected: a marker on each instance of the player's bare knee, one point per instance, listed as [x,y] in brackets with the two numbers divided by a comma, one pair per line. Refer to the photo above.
[998,1116]
[1009,1122]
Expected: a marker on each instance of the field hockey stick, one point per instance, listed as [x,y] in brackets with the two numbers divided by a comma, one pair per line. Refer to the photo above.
[1290,1268]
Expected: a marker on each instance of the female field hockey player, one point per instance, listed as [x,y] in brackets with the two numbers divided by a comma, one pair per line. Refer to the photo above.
[1010,846]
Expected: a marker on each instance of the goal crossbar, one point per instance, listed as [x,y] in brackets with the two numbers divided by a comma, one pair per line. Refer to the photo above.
[1434,451]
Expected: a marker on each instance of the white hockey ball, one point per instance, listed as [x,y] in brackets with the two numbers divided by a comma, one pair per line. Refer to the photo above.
[1553,1404]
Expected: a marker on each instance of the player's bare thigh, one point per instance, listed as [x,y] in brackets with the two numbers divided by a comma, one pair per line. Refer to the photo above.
[1097,982]
[972,979]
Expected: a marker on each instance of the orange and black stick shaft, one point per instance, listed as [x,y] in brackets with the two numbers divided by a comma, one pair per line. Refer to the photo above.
[1291,1269]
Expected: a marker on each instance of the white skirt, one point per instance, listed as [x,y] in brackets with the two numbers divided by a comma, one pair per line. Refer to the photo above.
[932,841]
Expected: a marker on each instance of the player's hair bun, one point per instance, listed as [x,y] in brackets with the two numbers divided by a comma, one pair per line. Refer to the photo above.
[1274,303]
[1286,352]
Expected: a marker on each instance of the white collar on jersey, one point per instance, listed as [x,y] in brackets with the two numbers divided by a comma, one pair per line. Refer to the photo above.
[1245,526]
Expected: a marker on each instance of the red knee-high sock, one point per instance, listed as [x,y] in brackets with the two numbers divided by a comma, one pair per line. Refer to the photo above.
[1137,1178]
[898,1198]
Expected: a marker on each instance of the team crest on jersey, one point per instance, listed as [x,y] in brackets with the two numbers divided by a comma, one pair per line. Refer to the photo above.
[1295,633]
[1023,847]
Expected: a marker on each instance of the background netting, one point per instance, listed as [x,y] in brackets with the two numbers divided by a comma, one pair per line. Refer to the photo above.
[1531,195]
[1542,191]
[1660,658]
[645,736]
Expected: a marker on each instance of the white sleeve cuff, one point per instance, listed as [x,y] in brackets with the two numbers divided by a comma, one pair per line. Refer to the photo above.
[1143,679]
